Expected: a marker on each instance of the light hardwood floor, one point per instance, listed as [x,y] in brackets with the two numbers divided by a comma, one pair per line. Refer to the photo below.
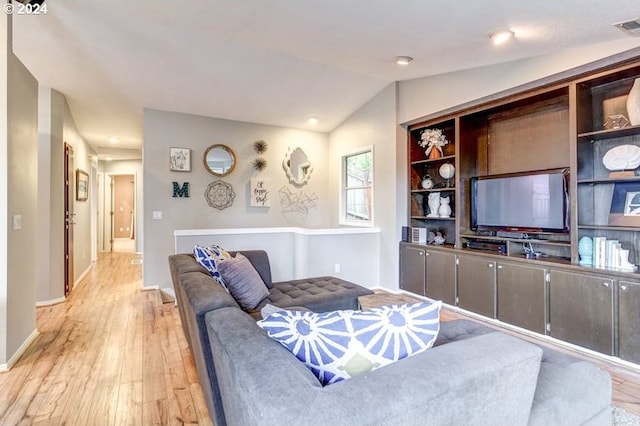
[113,354]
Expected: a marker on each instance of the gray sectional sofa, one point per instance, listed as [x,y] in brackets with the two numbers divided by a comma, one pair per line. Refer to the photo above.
[198,293]
[473,374]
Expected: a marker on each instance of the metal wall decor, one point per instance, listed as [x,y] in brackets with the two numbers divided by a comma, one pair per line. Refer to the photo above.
[180,191]
[219,195]
[300,202]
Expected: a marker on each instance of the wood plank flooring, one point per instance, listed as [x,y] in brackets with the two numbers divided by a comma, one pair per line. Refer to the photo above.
[112,354]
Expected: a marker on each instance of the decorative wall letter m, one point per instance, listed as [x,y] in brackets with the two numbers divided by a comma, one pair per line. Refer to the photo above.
[181,192]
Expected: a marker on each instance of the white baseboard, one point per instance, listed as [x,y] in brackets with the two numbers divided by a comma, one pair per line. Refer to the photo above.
[150,287]
[50,302]
[16,356]
[81,277]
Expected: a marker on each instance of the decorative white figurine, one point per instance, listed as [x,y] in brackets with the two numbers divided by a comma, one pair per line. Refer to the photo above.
[434,204]
[445,209]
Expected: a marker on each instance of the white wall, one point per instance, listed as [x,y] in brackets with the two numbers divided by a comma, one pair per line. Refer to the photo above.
[163,130]
[425,96]
[374,124]
[18,189]
[297,253]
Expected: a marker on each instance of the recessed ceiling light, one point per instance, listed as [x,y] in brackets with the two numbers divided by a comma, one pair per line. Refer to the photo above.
[403,60]
[500,37]
[113,139]
[313,120]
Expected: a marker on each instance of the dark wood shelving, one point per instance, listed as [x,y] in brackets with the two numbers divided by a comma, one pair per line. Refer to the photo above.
[599,135]
[432,218]
[434,160]
[608,180]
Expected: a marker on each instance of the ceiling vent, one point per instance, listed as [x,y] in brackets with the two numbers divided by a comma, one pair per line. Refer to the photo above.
[630,27]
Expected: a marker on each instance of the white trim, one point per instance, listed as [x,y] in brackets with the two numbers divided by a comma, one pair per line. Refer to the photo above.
[21,350]
[275,230]
[342,220]
[81,277]
[50,302]
[150,287]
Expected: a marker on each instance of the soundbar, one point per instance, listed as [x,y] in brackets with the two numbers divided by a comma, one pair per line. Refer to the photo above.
[488,246]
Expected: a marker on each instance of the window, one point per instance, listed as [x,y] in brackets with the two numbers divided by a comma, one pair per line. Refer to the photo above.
[357,188]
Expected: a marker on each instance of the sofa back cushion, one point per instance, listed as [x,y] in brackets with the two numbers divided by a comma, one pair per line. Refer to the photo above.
[260,260]
[243,281]
[343,344]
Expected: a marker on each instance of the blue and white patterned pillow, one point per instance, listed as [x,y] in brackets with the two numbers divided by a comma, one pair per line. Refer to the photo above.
[209,257]
[343,344]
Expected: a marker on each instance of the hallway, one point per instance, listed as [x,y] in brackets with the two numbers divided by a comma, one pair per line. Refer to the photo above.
[112,354]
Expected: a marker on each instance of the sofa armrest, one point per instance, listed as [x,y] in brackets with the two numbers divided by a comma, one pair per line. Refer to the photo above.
[489,379]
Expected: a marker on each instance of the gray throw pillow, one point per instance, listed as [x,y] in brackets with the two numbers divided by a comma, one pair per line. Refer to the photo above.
[243,281]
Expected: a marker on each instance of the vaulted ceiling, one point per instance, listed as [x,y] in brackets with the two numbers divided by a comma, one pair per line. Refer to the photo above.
[278,62]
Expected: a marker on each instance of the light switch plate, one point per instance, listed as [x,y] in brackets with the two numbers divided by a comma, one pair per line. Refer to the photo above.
[157,215]
[17,222]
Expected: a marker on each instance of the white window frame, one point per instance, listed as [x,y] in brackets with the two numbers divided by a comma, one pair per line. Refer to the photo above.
[342,219]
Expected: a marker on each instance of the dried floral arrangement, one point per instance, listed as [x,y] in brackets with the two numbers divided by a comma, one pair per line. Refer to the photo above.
[260,146]
[431,138]
[259,164]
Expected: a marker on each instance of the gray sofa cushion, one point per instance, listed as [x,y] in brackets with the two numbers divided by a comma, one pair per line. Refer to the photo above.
[569,390]
[260,260]
[485,380]
[321,294]
[572,390]
[243,281]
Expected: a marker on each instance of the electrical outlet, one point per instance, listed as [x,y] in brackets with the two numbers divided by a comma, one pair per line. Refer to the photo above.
[337,268]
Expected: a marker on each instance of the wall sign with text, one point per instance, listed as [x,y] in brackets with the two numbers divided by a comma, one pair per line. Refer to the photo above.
[260,192]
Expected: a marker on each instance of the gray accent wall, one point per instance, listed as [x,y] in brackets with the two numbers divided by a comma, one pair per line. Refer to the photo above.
[163,130]
[18,189]
[55,127]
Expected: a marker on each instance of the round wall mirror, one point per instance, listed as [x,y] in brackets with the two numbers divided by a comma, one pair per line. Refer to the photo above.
[219,160]
[297,167]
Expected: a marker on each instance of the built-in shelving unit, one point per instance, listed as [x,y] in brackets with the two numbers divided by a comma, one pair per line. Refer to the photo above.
[565,125]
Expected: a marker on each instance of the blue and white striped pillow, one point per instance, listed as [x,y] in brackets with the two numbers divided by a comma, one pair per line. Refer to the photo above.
[209,257]
[342,344]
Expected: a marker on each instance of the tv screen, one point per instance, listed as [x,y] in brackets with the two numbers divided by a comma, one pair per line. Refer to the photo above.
[531,201]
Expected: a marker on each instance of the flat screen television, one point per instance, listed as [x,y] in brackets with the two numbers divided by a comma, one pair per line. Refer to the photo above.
[533,201]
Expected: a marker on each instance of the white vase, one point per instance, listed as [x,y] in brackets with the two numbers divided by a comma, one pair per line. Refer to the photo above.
[633,103]
[445,209]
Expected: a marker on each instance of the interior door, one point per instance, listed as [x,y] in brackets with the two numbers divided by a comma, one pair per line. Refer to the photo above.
[69,217]
[123,196]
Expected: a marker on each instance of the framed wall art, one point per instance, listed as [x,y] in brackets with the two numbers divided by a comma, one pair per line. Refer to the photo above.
[625,204]
[82,185]
[180,159]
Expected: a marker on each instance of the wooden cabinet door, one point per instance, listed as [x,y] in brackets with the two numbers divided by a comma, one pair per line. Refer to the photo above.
[441,276]
[477,285]
[581,310]
[521,296]
[629,321]
[412,268]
